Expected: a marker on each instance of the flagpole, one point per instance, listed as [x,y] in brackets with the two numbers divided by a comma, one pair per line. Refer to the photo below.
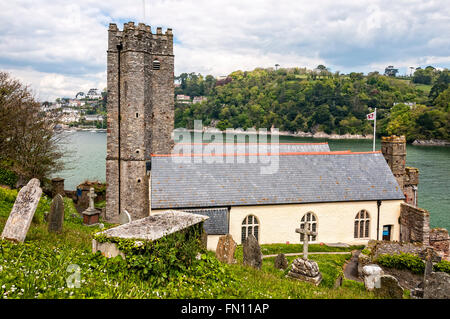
[374,128]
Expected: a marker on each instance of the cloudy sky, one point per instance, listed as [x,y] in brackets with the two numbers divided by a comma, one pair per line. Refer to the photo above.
[59,47]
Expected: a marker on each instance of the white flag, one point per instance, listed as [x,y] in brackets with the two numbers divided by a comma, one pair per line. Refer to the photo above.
[371,116]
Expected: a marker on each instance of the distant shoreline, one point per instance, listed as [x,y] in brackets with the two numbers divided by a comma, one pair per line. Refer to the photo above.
[73,129]
[298,134]
[323,135]
[431,142]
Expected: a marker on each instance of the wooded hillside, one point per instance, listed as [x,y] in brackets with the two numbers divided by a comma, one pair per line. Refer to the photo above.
[302,100]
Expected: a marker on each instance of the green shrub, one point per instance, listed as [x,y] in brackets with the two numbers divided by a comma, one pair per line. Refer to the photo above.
[7,177]
[8,195]
[443,266]
[402,261]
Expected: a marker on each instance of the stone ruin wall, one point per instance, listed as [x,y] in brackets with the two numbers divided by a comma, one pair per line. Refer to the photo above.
[440,241]
[414,221]
[414,224]
[410,183]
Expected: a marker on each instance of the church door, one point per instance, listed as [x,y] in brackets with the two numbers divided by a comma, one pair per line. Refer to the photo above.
[387,232]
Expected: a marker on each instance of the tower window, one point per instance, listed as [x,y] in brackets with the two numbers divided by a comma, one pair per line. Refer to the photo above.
[156,65]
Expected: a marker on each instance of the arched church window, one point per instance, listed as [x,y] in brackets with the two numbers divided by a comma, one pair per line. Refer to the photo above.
[362,224]
[311,219]
[156,65]
[250,226]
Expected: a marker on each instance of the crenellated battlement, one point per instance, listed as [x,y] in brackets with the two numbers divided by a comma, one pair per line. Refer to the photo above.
[140,38]
[394,139]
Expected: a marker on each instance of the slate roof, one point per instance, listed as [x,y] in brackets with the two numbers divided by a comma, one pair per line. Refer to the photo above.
[306,178]
[217,224]
[241,148]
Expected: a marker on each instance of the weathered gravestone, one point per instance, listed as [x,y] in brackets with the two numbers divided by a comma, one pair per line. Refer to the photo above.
[124,217]
[302,268]
[372,276]
[389,288]
[22,213]
[58,186]
[437,286]
[147,229]
[281,262]
[252,252]
[56,215]
[305,270]
[225,249]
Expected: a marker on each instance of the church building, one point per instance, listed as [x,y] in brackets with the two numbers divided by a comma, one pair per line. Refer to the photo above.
[346,197]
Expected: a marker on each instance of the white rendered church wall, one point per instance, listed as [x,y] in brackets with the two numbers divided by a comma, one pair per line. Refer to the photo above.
[335,221]
[212,242]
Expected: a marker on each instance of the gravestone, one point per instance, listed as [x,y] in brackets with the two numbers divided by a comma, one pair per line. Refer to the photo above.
[225,249]
[428,261]
[124,217]
[204,240]
[281,262]
[389,288]
[372,276]
[91,214]
[252,252]
[437,286]
[145,230]
[302,268]
[56,216]
[58,186]
[417,292]
[305,270]
[22,213]
[338,282]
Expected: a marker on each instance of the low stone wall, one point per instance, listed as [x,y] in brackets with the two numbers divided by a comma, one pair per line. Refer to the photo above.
[71,194]
[440,241]
[82,198]
[394,248]
[414,224]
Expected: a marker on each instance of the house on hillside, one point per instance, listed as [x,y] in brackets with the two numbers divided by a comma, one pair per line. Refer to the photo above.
[199,99]
[185,99]
[93,117]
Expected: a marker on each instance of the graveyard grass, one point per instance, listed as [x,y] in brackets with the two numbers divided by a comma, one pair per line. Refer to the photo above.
[38,269]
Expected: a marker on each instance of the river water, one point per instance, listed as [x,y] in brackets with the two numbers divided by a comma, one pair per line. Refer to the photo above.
[88,153]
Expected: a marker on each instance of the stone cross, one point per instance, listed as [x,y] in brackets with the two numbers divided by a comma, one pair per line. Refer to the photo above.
[307,233]
[91,196]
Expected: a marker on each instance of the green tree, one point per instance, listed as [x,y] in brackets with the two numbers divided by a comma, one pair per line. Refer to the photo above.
[29,146]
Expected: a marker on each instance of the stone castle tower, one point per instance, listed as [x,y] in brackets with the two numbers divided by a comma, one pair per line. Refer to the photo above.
[140,80]
[394,151]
